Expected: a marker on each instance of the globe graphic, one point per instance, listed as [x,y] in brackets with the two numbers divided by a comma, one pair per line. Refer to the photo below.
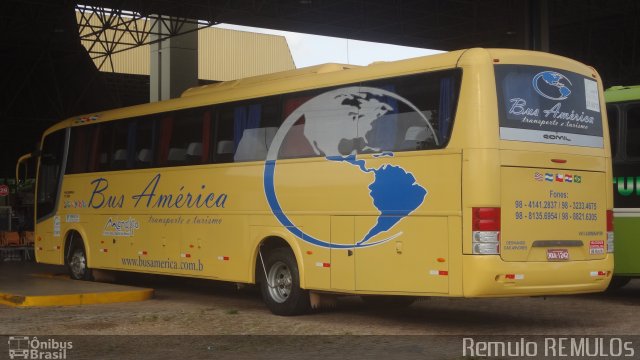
[336,126]
[552,85]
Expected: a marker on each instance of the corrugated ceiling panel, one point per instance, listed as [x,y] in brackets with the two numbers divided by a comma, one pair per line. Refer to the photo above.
[223,54]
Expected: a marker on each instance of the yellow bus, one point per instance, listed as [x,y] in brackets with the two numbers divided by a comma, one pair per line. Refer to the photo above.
[473,173]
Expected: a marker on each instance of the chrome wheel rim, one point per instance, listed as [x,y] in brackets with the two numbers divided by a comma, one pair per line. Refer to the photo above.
[280,282]
[78,264]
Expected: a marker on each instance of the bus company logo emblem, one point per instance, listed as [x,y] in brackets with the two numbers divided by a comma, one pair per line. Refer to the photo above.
[552,85]
[117,227]
[337,125]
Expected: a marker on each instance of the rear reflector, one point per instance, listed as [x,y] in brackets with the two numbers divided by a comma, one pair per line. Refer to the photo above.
[514,276]
[610,242]
[598,273]
[610,237]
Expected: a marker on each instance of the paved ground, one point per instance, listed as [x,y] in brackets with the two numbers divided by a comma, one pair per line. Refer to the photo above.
[195,307]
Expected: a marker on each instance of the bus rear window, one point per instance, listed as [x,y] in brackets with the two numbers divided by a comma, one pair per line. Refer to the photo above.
[545,105]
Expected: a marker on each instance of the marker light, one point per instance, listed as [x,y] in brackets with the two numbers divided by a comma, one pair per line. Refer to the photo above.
[485,236]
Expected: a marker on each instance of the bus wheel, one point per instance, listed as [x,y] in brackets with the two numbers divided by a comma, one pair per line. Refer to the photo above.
[618,282]
[388,301]
[78,268]
[281,287]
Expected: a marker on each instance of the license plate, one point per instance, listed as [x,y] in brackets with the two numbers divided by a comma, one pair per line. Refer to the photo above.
[557,254]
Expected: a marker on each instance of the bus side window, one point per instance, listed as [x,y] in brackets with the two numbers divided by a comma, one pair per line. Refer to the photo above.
[193,154]
[295,144]
[104,152]
[224,145]
[49,174]
[143,149]
[254,144]
[165,125]
[144,158]
[612,115]
[119,145]
[224,151]
[119,159]
[176,156]
[633,131]
[80,147]
[417,115]
[189,138]
[415,138]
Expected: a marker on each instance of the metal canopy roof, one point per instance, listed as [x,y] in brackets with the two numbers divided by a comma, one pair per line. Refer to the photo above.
[601,33]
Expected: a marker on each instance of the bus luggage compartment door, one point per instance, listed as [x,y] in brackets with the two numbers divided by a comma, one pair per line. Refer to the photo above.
[412,257]
[342,260]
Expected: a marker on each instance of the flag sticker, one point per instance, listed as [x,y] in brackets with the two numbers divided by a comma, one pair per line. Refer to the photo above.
[556,177]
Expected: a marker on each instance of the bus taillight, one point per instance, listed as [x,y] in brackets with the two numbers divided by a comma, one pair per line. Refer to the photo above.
[610,237]
[486,231]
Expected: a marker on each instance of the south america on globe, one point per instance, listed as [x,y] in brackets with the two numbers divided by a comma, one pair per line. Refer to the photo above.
[394,192]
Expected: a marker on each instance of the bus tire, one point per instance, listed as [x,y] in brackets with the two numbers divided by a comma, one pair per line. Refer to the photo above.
[77,263]
[388,301]
[280,288]
[617,282]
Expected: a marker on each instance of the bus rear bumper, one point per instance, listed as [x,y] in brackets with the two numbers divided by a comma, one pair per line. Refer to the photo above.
[490,276]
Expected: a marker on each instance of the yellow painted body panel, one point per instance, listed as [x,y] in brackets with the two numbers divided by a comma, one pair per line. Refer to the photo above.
[540,278]
[548,211]
[427,253]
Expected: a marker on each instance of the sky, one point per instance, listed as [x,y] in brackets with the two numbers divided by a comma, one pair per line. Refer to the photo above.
[308,50]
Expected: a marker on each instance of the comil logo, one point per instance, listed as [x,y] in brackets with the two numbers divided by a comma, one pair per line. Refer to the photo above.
[25,347]
[552,85]
[556,137]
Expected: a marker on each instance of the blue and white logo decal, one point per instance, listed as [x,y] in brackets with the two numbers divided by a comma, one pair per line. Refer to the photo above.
[344,117]
[552,85]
